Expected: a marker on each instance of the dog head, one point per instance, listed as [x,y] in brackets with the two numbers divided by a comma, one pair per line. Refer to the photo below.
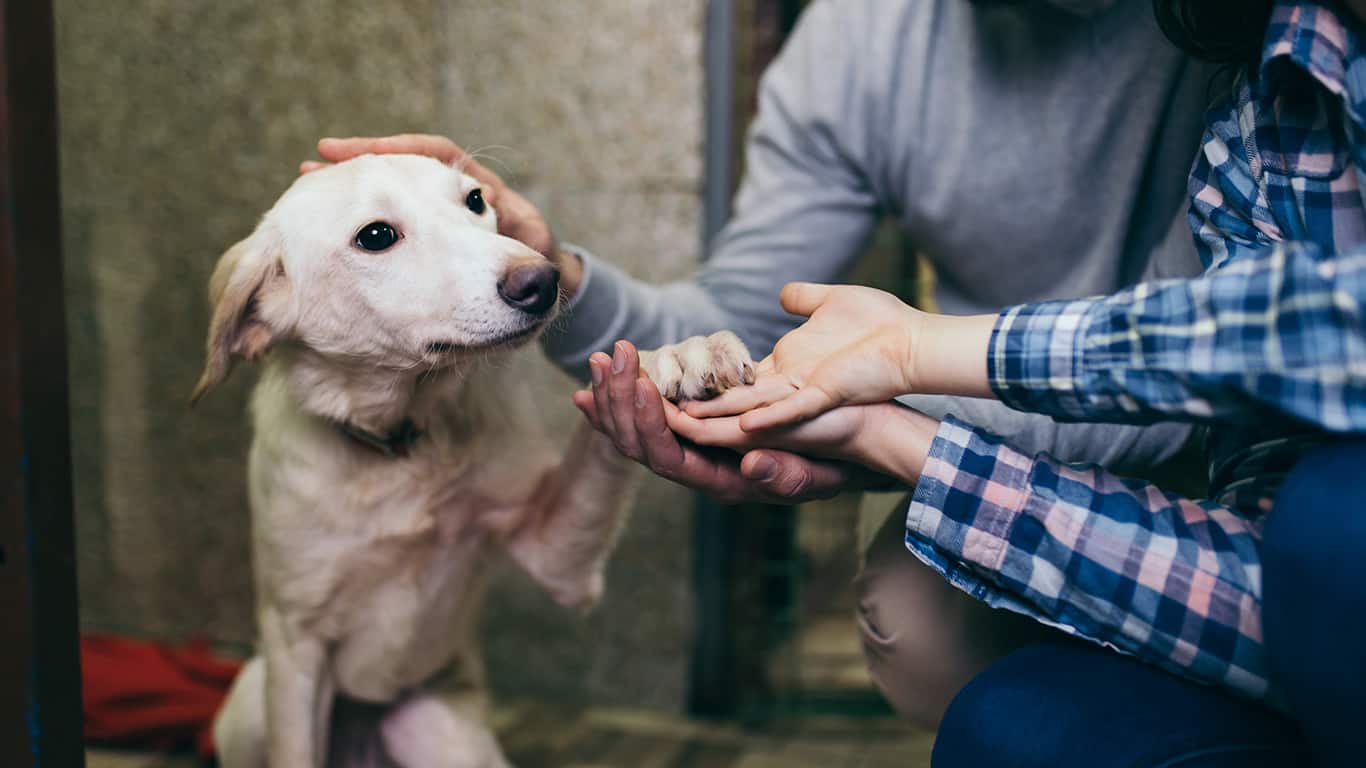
[386,261]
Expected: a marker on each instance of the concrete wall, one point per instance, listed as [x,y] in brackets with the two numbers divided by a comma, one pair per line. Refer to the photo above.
[182,120]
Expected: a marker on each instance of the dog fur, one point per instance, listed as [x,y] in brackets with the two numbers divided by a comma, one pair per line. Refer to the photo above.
[369,567]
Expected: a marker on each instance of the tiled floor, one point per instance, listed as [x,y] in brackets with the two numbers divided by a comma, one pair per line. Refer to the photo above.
[537,737]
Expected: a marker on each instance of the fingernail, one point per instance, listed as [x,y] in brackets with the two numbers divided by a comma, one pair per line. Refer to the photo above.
[640,397]
[766,468]
[618,359]
[596,372]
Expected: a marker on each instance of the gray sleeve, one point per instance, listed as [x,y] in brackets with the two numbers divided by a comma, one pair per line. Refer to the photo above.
[1121,448]
[805,211]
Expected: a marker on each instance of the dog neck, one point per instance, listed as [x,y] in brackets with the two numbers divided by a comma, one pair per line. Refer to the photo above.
[384,410]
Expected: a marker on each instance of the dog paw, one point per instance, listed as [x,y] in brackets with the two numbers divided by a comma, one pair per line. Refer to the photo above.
[699,368]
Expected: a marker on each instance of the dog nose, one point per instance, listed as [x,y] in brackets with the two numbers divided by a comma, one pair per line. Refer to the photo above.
[531,288]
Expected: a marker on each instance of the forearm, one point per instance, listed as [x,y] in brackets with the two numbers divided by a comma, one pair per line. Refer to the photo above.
[1121,448]
[949,355]
[608,305]
[895,443]
[1282,330]
[804,211]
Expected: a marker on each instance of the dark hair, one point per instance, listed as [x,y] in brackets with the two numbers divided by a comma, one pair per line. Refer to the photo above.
[1221,31]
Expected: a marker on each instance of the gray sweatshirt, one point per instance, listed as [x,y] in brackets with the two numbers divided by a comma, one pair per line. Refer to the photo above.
[1030,152]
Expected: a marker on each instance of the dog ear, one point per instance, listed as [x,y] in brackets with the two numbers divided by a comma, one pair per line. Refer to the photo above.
[248,273]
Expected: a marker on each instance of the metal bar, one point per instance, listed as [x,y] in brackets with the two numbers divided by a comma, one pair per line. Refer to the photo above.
[719,62]
[711,683]
[40,703]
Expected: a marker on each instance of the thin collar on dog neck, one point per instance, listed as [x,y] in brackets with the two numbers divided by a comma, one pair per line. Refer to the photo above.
[394,444]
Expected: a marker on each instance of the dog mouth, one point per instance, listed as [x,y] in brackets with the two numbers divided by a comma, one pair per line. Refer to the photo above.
[443,349]
[513,339]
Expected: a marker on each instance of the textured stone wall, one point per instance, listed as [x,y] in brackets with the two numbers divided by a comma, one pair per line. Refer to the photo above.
[182,120]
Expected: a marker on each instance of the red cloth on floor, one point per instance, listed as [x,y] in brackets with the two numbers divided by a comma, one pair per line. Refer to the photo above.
[150,695]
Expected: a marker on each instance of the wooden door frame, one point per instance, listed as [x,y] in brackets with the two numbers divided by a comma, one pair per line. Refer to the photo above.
[40,696]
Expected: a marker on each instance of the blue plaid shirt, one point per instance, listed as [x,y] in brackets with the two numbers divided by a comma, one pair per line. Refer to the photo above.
[1272,335]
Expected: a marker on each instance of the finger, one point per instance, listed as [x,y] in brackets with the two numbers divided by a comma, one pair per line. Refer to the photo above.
[621,388]
[660,448]
[714,472]
[788,477]
[720,432]
[583,400]
[598,365]
[804,298]
[763,391]
[439,147]
[806,403]
[717,474]
[309,166]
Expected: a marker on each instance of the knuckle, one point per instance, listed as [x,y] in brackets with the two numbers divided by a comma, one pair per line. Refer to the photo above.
[792,481]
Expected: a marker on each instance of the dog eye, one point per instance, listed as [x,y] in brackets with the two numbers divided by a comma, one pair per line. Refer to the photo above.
[475,202]
[376,236]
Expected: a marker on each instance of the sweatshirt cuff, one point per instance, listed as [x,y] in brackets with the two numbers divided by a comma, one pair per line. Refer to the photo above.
[1035,359]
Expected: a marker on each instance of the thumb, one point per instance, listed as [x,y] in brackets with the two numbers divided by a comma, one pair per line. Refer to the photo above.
[790,477]
[804,298]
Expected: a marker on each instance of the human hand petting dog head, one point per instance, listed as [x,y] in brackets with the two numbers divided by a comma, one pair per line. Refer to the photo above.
[518,218]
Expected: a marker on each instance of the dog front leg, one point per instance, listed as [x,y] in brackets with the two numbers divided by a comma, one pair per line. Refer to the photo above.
[298,695]
[576,515]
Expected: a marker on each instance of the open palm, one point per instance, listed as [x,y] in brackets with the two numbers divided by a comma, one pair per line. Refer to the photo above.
[855,348]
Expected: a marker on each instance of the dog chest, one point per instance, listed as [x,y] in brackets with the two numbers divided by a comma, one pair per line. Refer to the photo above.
[399,625]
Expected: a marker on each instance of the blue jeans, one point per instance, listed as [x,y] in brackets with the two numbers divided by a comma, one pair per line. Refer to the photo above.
[1064,704]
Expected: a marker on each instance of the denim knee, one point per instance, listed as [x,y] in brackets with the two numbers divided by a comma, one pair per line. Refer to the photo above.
[1314,597]
[1314,560]
[1315,536]
[1066,705]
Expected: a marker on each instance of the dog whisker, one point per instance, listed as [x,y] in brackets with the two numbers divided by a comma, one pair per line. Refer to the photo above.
[479,153]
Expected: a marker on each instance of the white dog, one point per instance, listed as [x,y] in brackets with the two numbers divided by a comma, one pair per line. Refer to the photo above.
[394,458]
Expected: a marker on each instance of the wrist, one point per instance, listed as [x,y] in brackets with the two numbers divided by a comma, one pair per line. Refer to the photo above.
[949,355]
[571,272]
[896,442]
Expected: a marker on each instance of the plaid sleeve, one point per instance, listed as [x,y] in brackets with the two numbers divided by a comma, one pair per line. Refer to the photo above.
[1230,211]
[1271,323]
[1115,561]
[1282,329]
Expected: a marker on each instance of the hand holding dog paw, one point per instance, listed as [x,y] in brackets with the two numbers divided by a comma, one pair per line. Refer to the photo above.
[626,405]
[700,367]
[857,347]
[885,438]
